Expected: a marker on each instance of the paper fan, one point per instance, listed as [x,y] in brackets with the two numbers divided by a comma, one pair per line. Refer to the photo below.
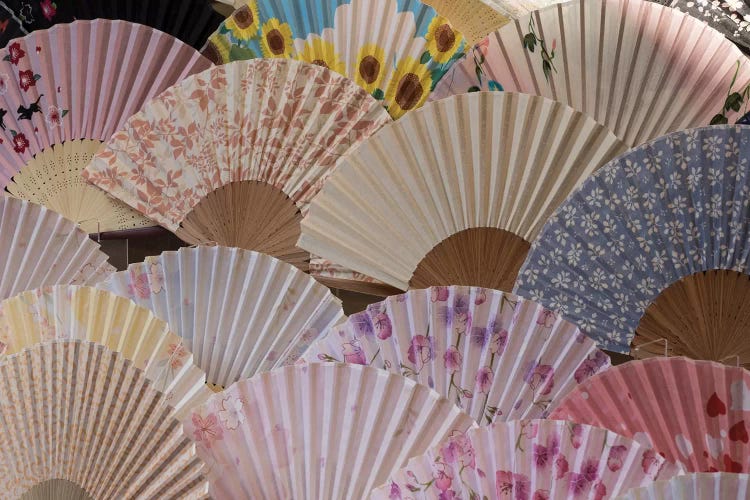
[453,193]
[694,413]
[694,487]
[56,106]
[232,154]
[74,312]
[192,21]
[39,247]
[524,459]
[84,422]
[474,19]
[638,68]
[395,50]
[497,356]
[360,424]
[240,312]
[655,243]
[727,17]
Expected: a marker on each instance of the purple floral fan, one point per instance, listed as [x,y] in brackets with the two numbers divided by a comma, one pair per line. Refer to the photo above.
[529,459]
[495,355]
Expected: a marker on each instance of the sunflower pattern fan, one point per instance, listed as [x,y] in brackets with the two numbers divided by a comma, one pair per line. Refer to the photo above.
[395,50]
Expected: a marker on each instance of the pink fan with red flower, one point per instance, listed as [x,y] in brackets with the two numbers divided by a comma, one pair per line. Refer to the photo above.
[529,459]
[496,355]
[695,413]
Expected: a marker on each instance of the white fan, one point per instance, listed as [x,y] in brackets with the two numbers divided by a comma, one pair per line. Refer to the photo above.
[317,431]
[240,312]
[698,486]
[38,247]
[454,192]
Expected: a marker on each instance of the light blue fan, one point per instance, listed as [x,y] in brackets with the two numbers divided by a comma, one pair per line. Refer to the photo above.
[652,218]
[395,49]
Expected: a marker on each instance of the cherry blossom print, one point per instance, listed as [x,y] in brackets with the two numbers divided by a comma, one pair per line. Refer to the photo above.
[4,80]
[54,116]
[232,413]
[650,462]
[576,435]
[484,379]
[177,354]
[480,336]
[139,286]
[27,79]
[420,351]
[590,470]
[443,476]
[541,495]
[207,430]
[15,53]
[353,353]
[615,457]
[440,293]
[544,455]
[561,467]
[513,486]
[395,492]
[546,318]
[452,359]
[540,377]
[459,451]
[362,324]
[592,365]
[383,327]
[20,143]
[49,9]
[498,341]
[600,491]
[480,297]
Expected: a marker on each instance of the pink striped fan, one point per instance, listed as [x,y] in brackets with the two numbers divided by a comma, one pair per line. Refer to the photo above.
[76,84]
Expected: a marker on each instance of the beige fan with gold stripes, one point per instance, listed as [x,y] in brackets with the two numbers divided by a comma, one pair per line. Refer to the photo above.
[453,193]
[475,19]
[85,313]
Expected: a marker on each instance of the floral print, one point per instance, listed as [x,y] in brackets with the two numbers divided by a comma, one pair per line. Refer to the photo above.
[629,230]
[730,17]
[264,28]
[515,461]
[638,399]
[461,341]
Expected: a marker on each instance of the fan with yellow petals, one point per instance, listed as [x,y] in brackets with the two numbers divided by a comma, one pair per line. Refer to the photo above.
[395,50]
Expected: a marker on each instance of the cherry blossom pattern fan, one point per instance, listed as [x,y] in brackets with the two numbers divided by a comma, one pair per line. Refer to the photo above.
[654,247]
[694,413]
[637,67]
[395,50]
[496,355]
[454,192]
[728,17]
[87,424]
[360,425]
[239,312]
[232,154]
[524,459]
[39,247]
[65,90]
[694,487]
[192,21]
[84,313]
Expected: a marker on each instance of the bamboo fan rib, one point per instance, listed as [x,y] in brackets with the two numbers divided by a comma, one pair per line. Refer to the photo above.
[694,487]
[539,459]
[83,313]
[72,87]
[40,248]
[86,422]
[693,413]
[239,312]
[396,51]
[637,67]
[360,425]
[654,247]
[231,155]
[453,193]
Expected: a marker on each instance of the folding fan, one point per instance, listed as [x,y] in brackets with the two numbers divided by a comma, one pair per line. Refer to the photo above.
[694,487]
[474,19]
[39,247]
[694,413]
[525,459]
[57,106]
[73,312]
[497,356]
[192,21]
[395,50]
[240,312]
[454,192]
[317,431]
[655,243]
[83,422]
[230,155]
[639,68]
[10,26]
[729,17]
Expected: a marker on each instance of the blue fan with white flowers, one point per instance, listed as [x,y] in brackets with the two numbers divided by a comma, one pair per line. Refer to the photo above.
[653,249]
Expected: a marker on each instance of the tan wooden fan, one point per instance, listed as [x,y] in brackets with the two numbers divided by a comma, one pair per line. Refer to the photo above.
[473,18]
[453,193]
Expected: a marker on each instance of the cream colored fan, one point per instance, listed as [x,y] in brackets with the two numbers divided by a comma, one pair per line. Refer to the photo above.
[637,67]
[232,154]
[454,192]
[82,422]
[474,19]
[239,312]
[40,247]
[317,431]
[74,312]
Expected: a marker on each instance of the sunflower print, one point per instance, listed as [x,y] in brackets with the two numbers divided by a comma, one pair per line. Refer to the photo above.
[244,22]
[217,49]
[408,88]
[322,53]
[276,39]
[370,68]
[442,40]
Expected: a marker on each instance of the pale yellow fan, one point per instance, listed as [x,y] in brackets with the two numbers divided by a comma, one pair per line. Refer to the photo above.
[473,18]
[70,312]
[53,179]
